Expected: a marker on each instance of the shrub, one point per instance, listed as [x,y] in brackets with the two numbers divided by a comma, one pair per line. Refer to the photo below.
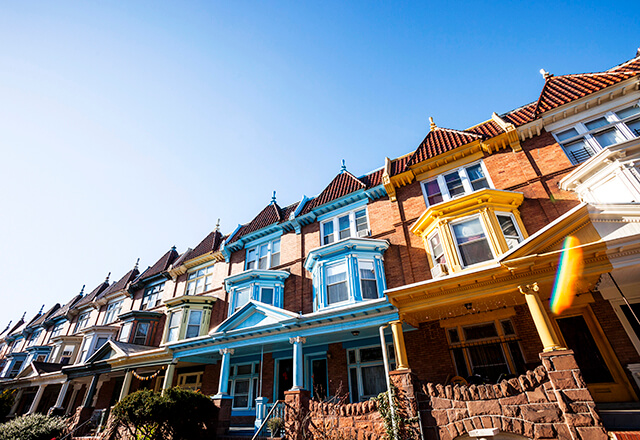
[190,414]
[142,413]
[32,427]
[275,425]
[7,397]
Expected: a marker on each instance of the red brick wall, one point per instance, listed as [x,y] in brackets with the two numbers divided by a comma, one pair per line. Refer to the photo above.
[428,352]
[337,369]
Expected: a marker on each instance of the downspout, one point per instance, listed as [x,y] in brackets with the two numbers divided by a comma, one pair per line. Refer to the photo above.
[385,360]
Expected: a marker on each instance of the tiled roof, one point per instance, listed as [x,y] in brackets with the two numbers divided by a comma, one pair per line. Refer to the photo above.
[160,266]
[271,214]
[341,185]
[399,165]
[43,317]
[440,140]
[210,243]
[560,90]
[65,308]
[521,115]
[92,295]
[633,65]
[373,179]
[121,284]
[487,129]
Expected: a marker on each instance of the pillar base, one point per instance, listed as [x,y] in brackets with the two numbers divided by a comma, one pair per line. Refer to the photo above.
[55,411]
[223,402]
[296,408]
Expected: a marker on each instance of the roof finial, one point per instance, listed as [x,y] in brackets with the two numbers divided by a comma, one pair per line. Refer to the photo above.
[273,198]
[173,248]
[41,309]
[218,226]
[433,124]
[137,262]
[638,52]
[107,279]
[82,290]
[23,315]
[343,168]
[546,75]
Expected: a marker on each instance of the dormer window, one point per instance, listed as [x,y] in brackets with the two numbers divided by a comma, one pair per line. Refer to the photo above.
[350,224]
[83,321]
[585,139]
[200,281]
[456,183]
[152,296]
[264,256]
[113,310]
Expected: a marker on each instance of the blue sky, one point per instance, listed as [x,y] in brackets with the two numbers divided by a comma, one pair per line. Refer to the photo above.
[129,127]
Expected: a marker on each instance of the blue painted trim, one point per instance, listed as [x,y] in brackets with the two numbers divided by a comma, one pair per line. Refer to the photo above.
[282,354]
[235,360]
[341,210]
[243,412]
[248,244]
[366,341]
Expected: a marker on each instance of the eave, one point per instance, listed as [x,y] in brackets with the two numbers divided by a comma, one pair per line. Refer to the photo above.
[190,299]
[189,264]
[352,244]
[255,274]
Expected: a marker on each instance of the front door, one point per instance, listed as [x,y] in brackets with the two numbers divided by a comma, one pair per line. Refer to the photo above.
[284,377]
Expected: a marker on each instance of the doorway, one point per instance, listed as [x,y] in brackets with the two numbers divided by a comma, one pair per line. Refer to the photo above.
[284,377]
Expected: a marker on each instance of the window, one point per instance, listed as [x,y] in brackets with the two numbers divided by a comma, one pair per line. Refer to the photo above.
[368,283]
[509,229]
[83,321]
[193,325]
[174,326]
[57,330]
[67,353]
[266,295]
[366,372]
[243,384]
[242,297]
[437,250]
[190,381]
[33,337]
[337,290]
[586,139]
[351,224]
[142,330]
[113,310]
[471,242]
[456,183]
[200,281]
[487,351]
[152,296]
[264,256]
[125,332]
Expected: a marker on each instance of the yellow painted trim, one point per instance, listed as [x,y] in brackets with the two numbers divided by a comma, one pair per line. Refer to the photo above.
[476,318]
[402,361]
[448,166]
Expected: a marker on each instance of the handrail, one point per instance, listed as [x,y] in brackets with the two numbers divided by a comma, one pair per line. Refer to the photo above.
[275,406]
[75,429]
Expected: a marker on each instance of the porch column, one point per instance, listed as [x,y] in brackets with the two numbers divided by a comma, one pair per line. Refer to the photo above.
[62,394]
[14,408]
[225,369]
[548,335]
[36,400]
[402,362]
[126,385]
[90,392]
[168,377]
[298,364]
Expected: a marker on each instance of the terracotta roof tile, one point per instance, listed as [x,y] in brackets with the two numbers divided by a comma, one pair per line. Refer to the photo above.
[270,215]
[372,179]
[399,165]
[159,266]
[633,65]
[521,115]
[92,295]
[487,129]
[341,185]
[211,243]
[440,140]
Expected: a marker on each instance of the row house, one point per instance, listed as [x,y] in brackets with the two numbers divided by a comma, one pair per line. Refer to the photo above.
[440,264]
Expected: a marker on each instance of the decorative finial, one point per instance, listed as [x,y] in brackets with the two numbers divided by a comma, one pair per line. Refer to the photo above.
[433,124]
[638,53]
[23,315]
[41,309]
[137,262]
[273,199]
[343,168]
[107,279]
[173,248]
[218,226]
[546,75]
[82,290]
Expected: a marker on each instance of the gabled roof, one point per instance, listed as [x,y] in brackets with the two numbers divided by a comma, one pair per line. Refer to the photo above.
[341,185]
[87,299]
[521,115]
[36,368]
[65,308]
[270,215]
[441,140]
[114,349]
[121,284]
[254,314]
[159,266]
[487,129]
[45,316]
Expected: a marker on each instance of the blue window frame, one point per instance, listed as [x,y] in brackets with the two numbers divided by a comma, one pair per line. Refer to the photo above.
[266,286]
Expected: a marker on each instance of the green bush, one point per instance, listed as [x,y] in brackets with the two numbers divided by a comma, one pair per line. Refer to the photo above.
[178,414]
[7,397]
[32,427]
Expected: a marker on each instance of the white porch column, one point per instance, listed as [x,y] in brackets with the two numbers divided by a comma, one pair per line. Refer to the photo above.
[14,408]
[298,362]
[225,369]
[62,394]
[168,377]
[88,398]
[126,384]
[36,400]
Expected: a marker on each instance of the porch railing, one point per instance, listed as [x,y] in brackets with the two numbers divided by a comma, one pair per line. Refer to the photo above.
[277,410]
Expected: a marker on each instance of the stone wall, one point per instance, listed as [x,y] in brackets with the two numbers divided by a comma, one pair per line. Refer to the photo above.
[551,401]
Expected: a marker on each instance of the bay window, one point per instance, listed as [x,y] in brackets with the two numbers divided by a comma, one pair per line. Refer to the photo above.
[368,283]
[265,286]
[188,317]
[193,324]
[337,290]
[350,224]
[174,326]
[152,296]
[264,256]
[142,331]
[509,228]
[456,183]
[200,281]
[585,139]
[242,297]
[471,242]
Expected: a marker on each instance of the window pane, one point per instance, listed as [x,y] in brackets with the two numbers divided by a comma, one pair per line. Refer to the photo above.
[353,376]
[191,287]
[507,327]
[327,232]
[436,249]
[634,126]
[242,297]
[343,227]
[635,325]
[454,184]
[488,361]
[472,242]
[361,220]
[509,230]
[244,369]
[368,282]
[461,364]
[609,137]
[433,192]
[567,134]
[337,292]
[597,123]
[625,113]
[476,176]
[453,335]
[141,333]
[267,295]
[370,354]
[352,356]
[578,151]
[481,331]
[373,380]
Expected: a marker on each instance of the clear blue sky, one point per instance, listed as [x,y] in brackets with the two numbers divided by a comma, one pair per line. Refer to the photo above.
[128,127]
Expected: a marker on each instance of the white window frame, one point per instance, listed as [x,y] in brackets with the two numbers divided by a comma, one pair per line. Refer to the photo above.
[33,337]
[152,297]
[189,324]
[252,260]
[353,229]
[57,329]
[182,381]
[236,293]
[592,146]
[253,379]
[358,365]
[361,279]
[434,257]
[200,280]
[113,310]
[83,321]
[520,236]
[176,325]
[486,237]
[146,336]
[125,332]
[350,294]
[464,178]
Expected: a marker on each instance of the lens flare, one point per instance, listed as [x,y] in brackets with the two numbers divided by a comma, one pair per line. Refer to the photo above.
[569,272]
